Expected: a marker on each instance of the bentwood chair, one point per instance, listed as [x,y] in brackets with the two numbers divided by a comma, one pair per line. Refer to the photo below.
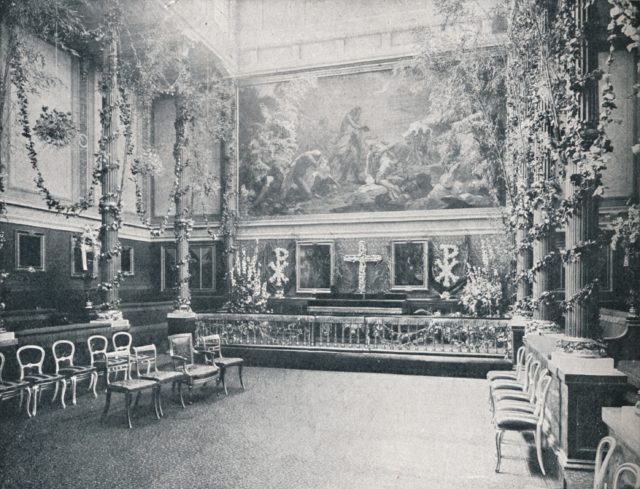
[634,472]
[30,361]
[510,374]
[608,445]
[73,373]
[147,356]
[525,390]
[12,389]
[212,344]
[127,386]
[525,403]
[527,396]
[508,420]
[183,354]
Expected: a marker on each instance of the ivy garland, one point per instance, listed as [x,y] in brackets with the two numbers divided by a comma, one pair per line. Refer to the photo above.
[20,82]
[546,90]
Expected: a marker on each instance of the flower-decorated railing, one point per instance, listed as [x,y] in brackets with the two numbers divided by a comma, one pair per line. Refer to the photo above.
[403,333]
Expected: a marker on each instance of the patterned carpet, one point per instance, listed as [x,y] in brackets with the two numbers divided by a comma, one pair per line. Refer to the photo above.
[289,429]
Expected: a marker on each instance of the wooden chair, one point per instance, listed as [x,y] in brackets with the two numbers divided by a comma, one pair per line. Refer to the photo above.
[147,355]
[521,401]
[32,372]
[98,346]
[12,389]
[631,468]
[516,391]
[518,421]
[515,374]
[122,343]
[528,395]
[608,444]
[73,373]
[183,354]
[212,344]
[127,386]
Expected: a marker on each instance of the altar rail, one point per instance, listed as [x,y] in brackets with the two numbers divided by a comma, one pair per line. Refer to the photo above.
[463,335]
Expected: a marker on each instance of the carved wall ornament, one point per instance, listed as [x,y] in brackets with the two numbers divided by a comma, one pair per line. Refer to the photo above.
[443,266]
[362,259]
[279,278]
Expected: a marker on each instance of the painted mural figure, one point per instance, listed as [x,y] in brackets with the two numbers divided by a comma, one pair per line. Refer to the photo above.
[348,160]
[310,175]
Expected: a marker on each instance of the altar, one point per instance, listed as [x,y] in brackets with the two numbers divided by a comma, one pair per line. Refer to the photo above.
[357,304]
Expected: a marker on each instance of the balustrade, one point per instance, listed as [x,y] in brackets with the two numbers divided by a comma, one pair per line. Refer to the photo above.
[463,335]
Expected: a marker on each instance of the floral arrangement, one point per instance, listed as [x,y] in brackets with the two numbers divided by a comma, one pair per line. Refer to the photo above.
[583,347]
[148,162]
[482,294]
[248,290]
[55,127]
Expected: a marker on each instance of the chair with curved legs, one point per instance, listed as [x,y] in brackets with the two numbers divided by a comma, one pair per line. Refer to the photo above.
[73,373]
[519,400]
[147,356]
[127,386]
[631,469]
[183,354]
[515,374]
[608,445]
[212,344]
[507,420]
[14,389]
[98,346]
[30,361]
[122,343]
[525,390]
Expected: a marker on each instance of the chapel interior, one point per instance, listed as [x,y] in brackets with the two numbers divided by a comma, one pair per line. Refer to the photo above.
[320,243]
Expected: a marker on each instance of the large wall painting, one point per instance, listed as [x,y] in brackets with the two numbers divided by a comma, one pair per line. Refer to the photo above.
[356,142]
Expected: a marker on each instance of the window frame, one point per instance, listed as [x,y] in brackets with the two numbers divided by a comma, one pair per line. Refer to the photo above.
[163,266]
[201,247]
[95,265]
[31,234]
[425,264]
[131,271]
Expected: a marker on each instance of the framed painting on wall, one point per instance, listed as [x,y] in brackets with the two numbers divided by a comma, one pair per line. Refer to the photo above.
[314,266]
[365,140]
[410,264]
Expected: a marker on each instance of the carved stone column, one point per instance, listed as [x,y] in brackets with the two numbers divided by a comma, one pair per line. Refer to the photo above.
[109,210]
[182,223]
[582,317]
[541,247]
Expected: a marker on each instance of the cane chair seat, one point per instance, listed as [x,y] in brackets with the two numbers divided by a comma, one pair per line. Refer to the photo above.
[213,345]
[131,385]
[10,389]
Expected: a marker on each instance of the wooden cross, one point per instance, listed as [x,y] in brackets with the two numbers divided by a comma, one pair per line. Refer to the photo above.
[362,258]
